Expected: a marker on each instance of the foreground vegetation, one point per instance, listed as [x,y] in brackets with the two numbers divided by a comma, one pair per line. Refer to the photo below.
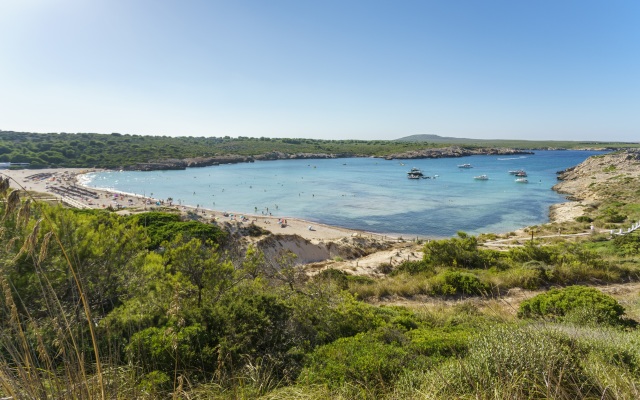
[121,150]
[97,305]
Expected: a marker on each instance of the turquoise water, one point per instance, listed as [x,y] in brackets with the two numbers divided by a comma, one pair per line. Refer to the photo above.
[370,194]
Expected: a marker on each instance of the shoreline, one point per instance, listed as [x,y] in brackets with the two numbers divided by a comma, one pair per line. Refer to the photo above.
[47,180]
[134,203]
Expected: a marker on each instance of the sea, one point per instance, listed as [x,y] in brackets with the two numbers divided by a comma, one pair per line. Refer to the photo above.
[369,194]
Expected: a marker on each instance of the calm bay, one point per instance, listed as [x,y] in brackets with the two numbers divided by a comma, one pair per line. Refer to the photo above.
[370,194]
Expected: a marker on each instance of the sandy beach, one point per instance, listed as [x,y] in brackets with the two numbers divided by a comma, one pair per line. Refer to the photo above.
[62,184]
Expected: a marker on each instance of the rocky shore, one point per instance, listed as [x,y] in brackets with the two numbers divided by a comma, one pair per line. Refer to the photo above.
[445,152]
[599,178]
[591,182]
[455,151]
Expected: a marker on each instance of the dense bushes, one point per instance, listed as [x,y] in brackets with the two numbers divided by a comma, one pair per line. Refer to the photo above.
[374,360]
[161,227]
[413,267]
[190,318]
[117,150]
[578,303]
[627,245]
[456,282]
[439,343]
[514,362]
[188,349]
[460,252]
[530,266]
[365,360]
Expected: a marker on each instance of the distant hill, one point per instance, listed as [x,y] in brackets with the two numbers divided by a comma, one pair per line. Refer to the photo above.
[515,143]
[437,139]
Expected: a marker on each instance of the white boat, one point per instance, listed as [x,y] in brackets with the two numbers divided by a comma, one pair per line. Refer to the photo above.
[482,177]
[415,173]
[522,180]
[465,166]
[519,173]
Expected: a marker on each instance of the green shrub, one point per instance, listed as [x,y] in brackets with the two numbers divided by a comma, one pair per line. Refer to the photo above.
[157,349]
[438,342]
[162,227]
[385,268]
[580,304]
[513,363]
[530,252]
[612,215]
[611,347]
[155,383]
[460,252]
[584,218]
[360,279]
[334,276]
[253,230]
[458,282]
[413,267]
[398,318]
[364,360]
[323,319]
[531,275]
[627,245]
[616,218]
[255,325]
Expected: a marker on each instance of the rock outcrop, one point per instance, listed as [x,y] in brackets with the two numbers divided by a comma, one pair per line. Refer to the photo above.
[226,159]
[581,182]
[454,151]
[189,163]
[609,177]
[445,152]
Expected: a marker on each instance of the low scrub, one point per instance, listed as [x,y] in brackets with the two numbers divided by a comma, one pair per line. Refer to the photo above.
[449,283]
[371,361]
[578,304]
[511,362]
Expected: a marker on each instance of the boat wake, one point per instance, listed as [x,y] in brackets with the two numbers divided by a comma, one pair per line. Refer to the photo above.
[512,158]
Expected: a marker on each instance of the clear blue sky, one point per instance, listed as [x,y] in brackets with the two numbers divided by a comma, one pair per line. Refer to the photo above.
[331,69]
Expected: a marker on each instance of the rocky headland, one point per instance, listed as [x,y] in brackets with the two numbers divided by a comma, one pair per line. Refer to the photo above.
[455,151]
[609,177]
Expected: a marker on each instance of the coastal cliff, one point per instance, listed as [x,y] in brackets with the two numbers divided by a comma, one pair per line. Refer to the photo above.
[599,179]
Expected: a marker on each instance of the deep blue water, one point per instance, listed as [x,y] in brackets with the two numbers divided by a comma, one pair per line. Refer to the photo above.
[370,194]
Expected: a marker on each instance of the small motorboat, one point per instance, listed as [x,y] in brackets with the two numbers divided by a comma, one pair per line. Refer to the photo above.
[482,177]
[415,173]
[522,180]
[465,166]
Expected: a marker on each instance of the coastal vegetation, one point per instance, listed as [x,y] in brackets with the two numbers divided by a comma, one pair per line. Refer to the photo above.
[155,305]
[118,150]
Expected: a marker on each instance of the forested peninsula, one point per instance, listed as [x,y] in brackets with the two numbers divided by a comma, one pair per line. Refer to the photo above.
[136,152]
[163,304]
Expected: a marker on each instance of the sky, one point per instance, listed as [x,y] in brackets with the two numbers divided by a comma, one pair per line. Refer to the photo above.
[323,69]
